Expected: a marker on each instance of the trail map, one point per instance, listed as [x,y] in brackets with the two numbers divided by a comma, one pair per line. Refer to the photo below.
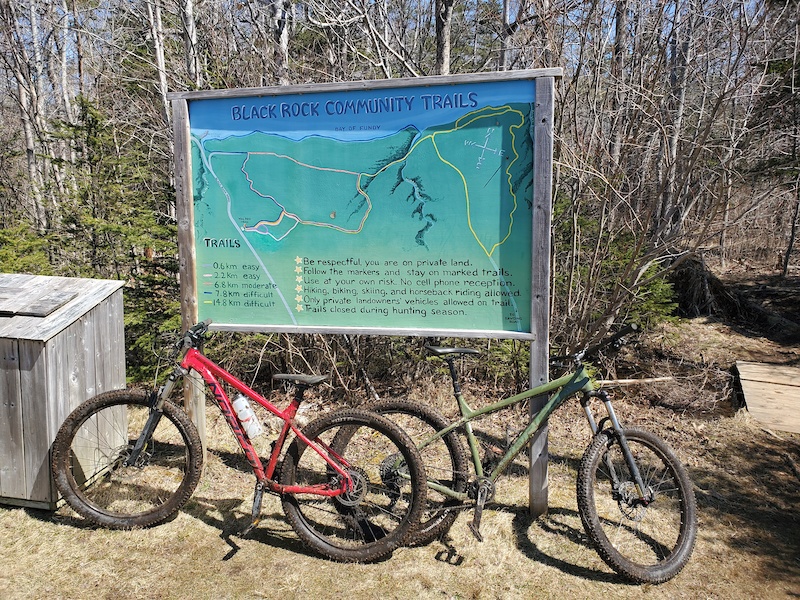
[405,208]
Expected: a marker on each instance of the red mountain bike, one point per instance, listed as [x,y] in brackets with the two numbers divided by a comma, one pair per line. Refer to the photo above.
[352,483]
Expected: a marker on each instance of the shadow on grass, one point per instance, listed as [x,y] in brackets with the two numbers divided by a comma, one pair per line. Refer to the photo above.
[233,522]
[524,531]
[49,516]
[747,487]
[555,522]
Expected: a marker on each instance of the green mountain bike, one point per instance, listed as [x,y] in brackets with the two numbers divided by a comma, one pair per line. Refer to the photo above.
[634,496]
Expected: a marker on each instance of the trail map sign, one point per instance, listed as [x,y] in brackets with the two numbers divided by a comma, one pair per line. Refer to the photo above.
[403,206]
[393,206]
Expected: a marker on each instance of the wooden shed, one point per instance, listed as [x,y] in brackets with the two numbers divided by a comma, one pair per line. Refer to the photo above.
[61,342]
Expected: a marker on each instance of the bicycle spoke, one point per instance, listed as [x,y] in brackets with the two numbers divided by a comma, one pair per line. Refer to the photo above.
[93,447]
[378,512]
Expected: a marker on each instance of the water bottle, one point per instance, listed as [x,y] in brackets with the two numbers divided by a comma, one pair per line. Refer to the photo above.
[247,417]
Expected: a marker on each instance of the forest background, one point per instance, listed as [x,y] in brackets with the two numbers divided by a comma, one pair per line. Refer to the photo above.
[677,129]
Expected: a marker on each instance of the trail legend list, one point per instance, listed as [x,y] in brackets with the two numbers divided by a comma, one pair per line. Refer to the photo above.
[227,284]
[361,292]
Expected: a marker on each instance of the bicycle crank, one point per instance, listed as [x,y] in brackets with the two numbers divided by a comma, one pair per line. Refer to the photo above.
[484,492]
[255,516]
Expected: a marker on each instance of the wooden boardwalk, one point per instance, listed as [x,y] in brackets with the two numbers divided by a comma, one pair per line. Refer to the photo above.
[772,394]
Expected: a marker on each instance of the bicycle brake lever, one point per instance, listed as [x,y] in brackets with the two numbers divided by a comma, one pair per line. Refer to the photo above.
[194,335]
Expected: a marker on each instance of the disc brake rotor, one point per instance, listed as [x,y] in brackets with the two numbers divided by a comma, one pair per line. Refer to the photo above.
[629,502]
[356,494]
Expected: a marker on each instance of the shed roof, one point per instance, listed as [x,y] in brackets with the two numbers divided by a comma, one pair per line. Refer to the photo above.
[38,307]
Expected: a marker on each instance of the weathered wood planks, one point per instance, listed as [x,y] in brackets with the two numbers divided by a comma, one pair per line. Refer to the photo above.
[772,394]
[48,365]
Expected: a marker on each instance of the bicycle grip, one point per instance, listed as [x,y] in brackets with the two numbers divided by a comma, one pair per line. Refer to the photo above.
[202,326]
[193,335]
[612,340]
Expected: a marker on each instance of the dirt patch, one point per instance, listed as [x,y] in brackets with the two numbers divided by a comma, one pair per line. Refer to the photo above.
[758,303]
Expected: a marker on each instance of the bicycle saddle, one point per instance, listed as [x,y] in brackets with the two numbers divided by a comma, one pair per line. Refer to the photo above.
[443,350]
[297,379]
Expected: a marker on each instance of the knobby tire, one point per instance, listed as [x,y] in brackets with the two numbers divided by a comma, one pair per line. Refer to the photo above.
[377,517]
[445,463]
[89,453]
[645,543]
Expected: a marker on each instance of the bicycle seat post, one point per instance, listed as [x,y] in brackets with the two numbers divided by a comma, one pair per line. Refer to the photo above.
[299,391]
[453,374]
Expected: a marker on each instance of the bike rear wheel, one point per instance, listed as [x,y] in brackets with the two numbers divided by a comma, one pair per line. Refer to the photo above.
[91,449]
[445,461]
[648,543]
[374,518]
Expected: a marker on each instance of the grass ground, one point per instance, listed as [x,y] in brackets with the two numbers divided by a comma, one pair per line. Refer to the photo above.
[746,480]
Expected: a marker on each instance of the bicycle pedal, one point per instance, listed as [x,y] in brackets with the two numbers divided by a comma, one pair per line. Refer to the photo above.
[246,531]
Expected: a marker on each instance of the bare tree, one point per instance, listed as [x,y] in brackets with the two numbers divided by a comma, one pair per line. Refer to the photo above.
[157,39]
[194,66]
[677,121]
[35,37]
[444,21]
[17,62]
[650,145]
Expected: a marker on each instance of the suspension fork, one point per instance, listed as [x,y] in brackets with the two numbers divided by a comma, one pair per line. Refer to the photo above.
[156,402]
[603,396]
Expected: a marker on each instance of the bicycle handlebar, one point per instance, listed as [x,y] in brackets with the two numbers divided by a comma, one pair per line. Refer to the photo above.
[614,341]
[193,336]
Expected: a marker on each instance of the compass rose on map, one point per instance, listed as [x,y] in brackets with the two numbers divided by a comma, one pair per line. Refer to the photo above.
[484,147]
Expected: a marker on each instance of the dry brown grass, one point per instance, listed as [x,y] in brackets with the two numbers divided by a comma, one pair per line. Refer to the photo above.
[748,543]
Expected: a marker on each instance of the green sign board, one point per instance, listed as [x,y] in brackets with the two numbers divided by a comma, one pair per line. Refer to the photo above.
[383,208]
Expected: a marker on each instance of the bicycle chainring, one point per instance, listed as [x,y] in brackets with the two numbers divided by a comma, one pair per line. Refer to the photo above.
[481,484]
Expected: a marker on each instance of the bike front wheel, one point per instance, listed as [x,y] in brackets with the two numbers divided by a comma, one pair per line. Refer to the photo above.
[377,515]
[646,541]
[90,461]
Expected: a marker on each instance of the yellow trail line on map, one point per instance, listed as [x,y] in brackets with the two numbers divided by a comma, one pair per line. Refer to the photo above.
[470,118]
[507,171]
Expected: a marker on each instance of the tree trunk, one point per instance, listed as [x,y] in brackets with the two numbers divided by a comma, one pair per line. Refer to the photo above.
[618,80]
[157,33]
[680,45]
[194,71]
[502,64]
[19,64]
[793,233]
[280,31]
[444,23]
